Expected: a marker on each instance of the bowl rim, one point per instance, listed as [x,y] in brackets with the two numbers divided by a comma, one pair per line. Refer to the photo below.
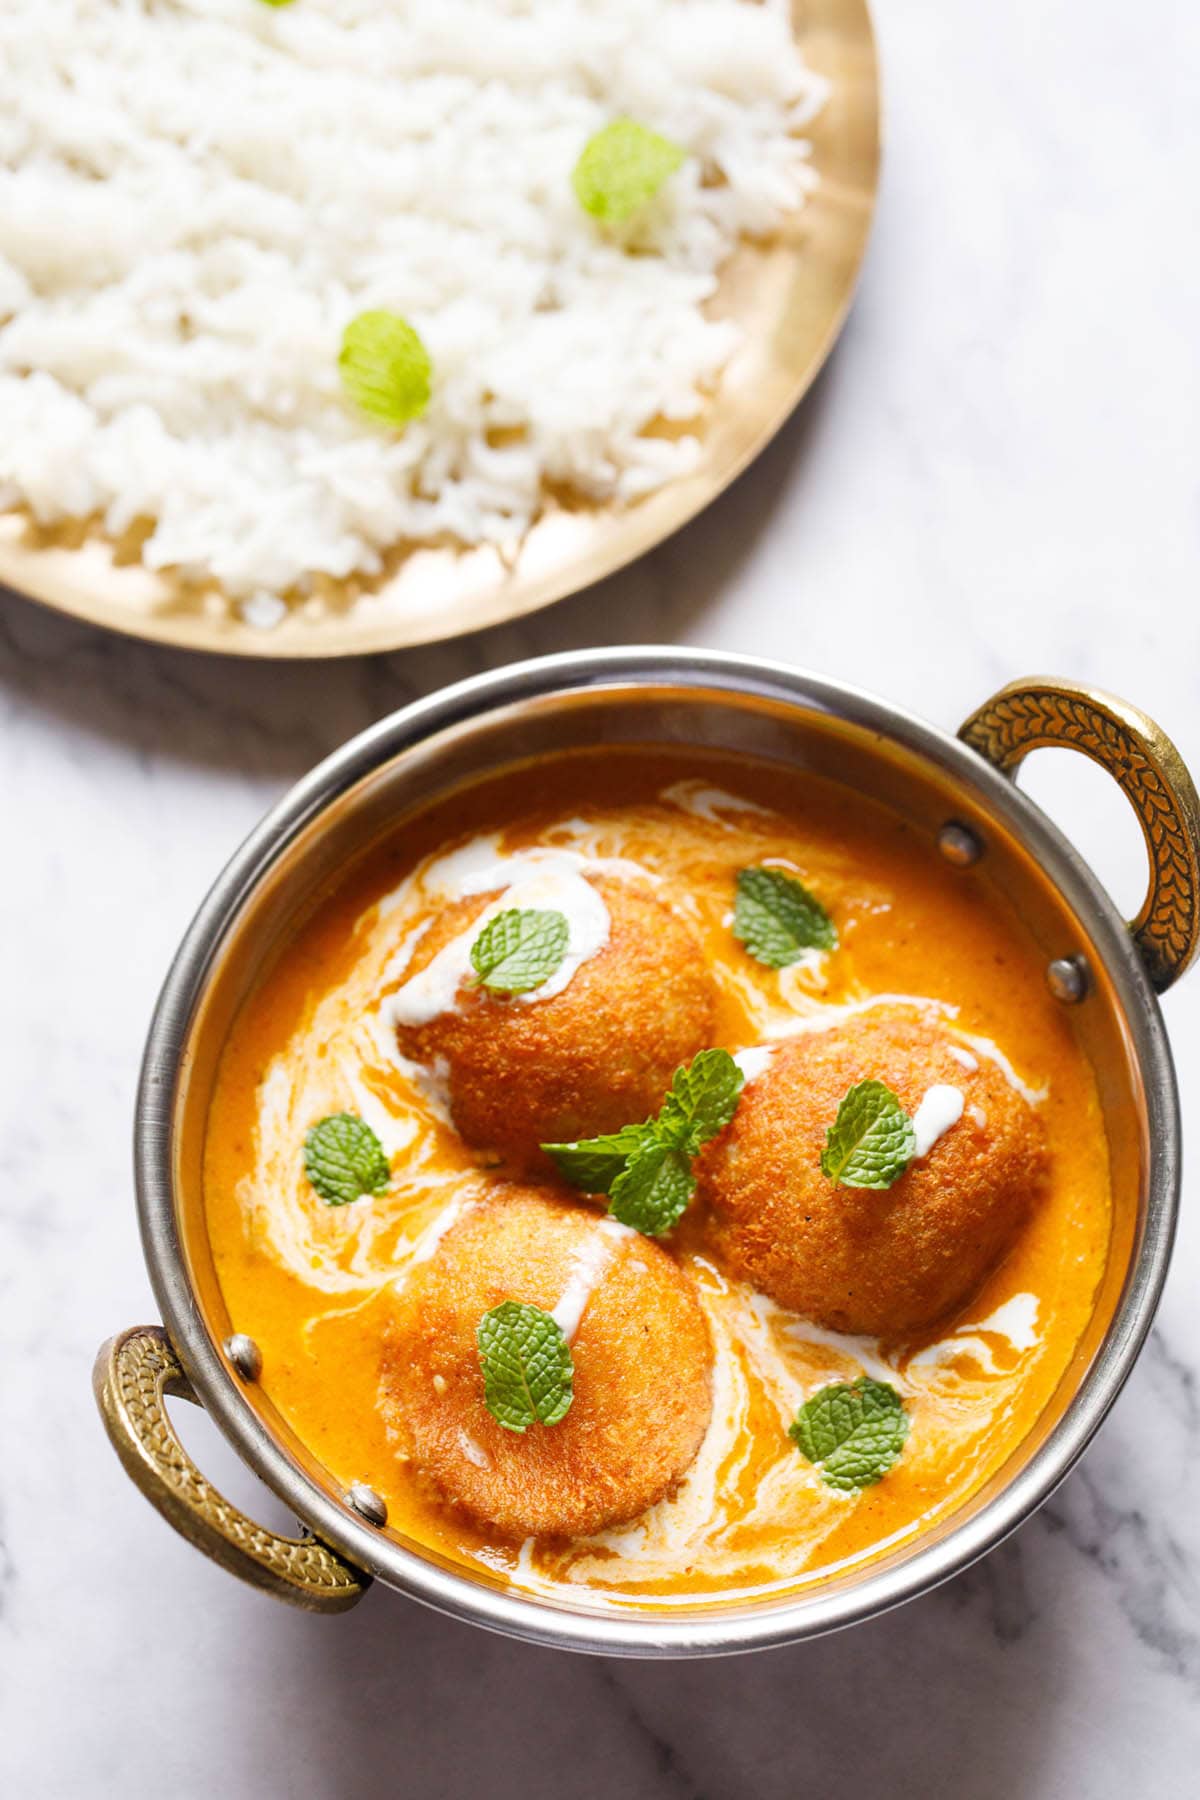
[508,1611]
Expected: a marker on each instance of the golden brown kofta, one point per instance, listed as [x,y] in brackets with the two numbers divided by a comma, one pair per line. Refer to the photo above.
[882,1262]
[594,1057]
[642,1359]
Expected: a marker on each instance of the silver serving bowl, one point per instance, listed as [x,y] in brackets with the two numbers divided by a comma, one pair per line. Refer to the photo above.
[957,792]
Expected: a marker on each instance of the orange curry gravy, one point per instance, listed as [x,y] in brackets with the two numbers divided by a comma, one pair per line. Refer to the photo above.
[310,1282]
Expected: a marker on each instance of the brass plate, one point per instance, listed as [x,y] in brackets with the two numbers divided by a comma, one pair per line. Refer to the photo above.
[790,297]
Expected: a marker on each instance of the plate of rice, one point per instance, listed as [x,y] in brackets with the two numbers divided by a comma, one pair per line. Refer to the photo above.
[334,326]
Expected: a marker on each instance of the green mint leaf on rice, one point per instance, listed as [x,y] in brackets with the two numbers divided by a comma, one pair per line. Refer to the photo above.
[344,1159]
[519,949]
[527,1368]
[871,1142]
[703,1099]
[385,368]
[852,1432]
[593,1164]
[778,919]
[652,1193]
[621,167]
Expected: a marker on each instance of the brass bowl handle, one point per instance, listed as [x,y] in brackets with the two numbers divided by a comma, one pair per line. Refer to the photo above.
[132,1373]
[1029,715]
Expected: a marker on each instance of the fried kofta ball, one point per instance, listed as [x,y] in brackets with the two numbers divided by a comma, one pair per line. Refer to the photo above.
[877,1261]
[598,1055]
[642,1359]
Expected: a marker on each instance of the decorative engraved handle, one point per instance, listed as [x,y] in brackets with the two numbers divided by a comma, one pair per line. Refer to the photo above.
[132,1373]
[1028,715]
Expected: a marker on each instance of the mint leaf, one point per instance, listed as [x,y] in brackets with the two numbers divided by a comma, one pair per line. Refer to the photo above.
[527,1367]
[621,167]
[593,1164]
[653,1191]
[385,368]
[853,1433]
[871,1142]
[344,1159]
[519,949]
[778,919]
[703,1099]
[646,1170]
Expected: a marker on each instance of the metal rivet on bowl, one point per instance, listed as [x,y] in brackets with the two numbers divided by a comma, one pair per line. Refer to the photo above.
[959,844]
[367,1503]
[1067,979]
[245,1355]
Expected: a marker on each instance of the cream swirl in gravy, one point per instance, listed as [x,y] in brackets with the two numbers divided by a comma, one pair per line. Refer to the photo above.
[309,1281]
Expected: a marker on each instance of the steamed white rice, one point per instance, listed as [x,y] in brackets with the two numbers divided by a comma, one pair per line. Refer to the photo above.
[197,195]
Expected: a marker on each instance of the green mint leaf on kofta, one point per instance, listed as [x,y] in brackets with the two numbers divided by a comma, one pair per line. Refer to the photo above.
[527,1367]
[853,1432]
[702,1100]
[652,1193]
[621,167]
[344,1159]
[385,368]
[519,949]
[872,1141]
[778,919]
[646,1170]
[593,1164]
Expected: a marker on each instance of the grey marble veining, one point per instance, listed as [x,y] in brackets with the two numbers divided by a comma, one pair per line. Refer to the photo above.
[996,475]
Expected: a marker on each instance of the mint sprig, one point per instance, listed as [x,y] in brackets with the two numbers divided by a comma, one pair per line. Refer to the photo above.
[519,949]
[593,1164]
[777,918]
[702,1099]
[528,1371]
[853,1432]
[871,1142]
[385,368]
[344,1159]
[646,1170]
[621,167]
[652,1191]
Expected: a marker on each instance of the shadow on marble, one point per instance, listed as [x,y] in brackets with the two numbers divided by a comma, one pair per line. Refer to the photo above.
[277,719]
[942,1696]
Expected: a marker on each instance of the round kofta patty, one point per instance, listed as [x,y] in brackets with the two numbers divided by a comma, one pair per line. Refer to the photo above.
[524,1072]
[883,1262]
[642,1361]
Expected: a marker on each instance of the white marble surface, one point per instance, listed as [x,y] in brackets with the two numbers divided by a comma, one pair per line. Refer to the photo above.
[997,475]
